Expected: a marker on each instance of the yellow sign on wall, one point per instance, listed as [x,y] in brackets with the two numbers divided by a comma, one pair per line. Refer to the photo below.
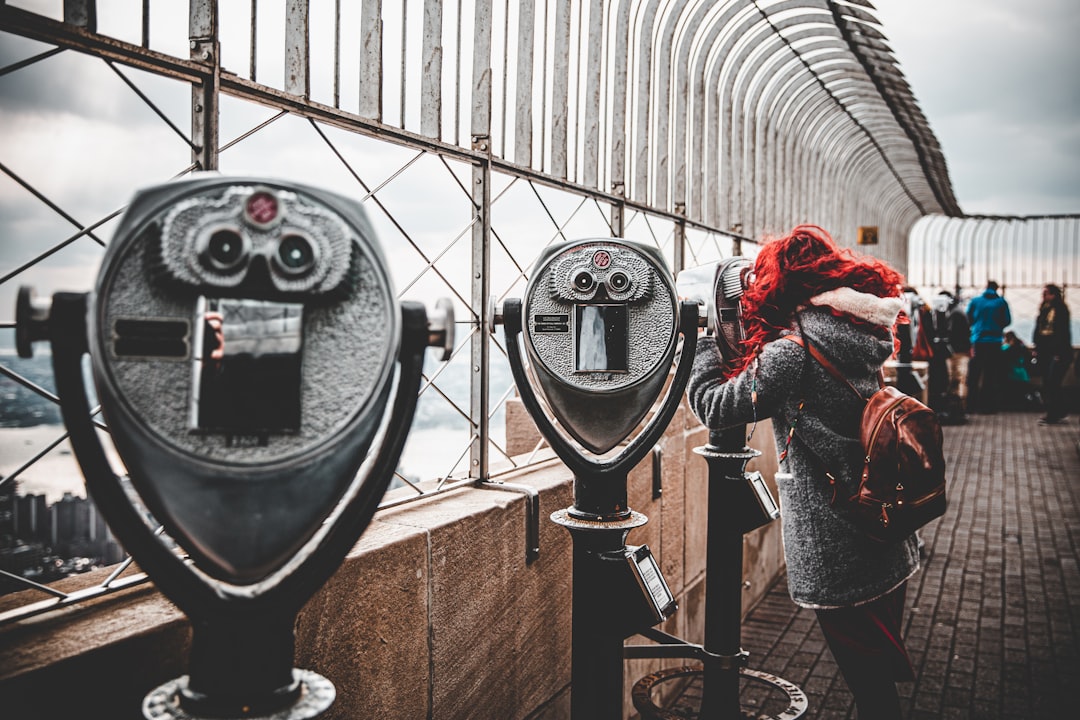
[868,235]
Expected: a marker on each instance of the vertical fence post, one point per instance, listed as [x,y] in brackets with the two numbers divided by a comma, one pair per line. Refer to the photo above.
[203,33]
[618,210]
[81,13]
[481,237]
[432,78]
[370,104]
[560,93]
[480,358]
[297,53]
[679,251]
[591,132]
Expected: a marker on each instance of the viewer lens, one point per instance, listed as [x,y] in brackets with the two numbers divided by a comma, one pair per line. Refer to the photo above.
[224,250]
[584,281]
[295,254]
[618,281]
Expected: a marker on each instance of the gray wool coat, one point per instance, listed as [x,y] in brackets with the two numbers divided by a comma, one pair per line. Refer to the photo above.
[830,563]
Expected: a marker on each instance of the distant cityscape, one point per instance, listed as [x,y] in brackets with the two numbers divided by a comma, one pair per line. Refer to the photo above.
[45,538]
[39,540]
[44,542]
[21,406]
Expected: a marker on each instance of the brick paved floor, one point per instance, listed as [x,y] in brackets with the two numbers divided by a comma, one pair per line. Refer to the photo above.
[993,618]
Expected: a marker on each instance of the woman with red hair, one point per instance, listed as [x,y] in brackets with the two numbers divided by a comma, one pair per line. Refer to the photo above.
[845,306]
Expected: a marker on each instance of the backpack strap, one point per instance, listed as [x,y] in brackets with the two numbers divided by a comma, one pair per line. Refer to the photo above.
[813,352]
[825,363]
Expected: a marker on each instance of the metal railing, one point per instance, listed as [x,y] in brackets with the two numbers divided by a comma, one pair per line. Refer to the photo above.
[1021,253]
[476,132]
[1018,251]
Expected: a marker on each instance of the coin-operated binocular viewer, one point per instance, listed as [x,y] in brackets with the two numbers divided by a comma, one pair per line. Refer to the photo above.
[601,322]
[739,502]
[244,337]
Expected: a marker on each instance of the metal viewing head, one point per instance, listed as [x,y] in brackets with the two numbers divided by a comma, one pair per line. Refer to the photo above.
[244,338]
[241,334]
[600,321]
[718,288]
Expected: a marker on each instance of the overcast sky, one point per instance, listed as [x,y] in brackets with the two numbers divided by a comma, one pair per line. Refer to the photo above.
[999,82]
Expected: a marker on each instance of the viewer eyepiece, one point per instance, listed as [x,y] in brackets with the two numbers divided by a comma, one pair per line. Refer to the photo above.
[224,250]
[295,255]
[584,281]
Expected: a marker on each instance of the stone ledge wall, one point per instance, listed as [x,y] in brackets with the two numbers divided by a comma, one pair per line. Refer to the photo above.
[434,614]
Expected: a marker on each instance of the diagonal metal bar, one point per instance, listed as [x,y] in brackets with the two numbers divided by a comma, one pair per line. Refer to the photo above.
[393,176]
[461,185]
[127,563]
[431,262]
[494,410]
[249,133]
[464,453]
[430,381]
[53,206]
[442,490]
[652,232]
[436,389]
[150,103]
[558,232]
[498,238]
[558,227]
[371,194]
[430,384]
[29,384]
[42,453]
[44,393]
[29,61]
[540,445]
[33,609]
[443,482]
[34,585]
[461,348]
[501,401]
[59,246]
[118,571]
[408,482]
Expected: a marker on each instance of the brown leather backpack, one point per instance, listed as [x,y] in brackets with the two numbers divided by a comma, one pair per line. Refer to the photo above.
[902,484]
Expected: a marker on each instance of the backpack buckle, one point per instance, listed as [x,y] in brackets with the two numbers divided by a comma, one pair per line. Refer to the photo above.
[885,514]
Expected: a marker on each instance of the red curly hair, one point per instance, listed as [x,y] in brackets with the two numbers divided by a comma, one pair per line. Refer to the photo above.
[792,269]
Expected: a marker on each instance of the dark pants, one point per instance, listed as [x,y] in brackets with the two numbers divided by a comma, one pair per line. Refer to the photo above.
[985,377]
[866,643]
[937,384]
[1053,374]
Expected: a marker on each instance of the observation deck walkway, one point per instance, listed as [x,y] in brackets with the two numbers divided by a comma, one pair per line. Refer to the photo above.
[993,618]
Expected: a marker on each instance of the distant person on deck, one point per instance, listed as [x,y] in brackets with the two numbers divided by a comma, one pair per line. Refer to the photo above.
[1053,351]
[951,343]
[988,314]
[1019,393]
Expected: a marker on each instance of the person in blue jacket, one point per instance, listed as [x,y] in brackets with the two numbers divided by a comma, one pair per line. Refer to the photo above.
[988,315]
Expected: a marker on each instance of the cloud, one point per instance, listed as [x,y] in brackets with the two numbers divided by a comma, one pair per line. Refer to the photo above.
[76,134]
[997,82]
[70,82]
